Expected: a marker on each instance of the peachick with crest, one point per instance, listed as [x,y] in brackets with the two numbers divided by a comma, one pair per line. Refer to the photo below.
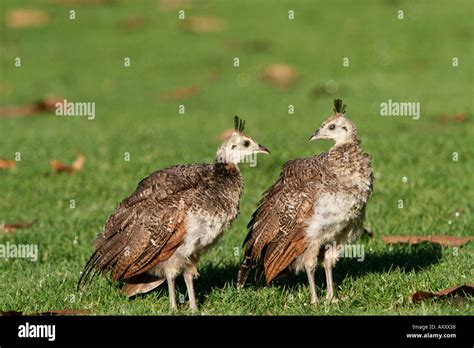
[174,215]
[316,203]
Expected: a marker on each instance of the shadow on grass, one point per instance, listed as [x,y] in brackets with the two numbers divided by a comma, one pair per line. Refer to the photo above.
[212,277]
[407,258]
[399,257]
[403,258]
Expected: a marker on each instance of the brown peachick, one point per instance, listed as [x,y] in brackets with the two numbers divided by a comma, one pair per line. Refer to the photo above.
[316,205]
[174,215]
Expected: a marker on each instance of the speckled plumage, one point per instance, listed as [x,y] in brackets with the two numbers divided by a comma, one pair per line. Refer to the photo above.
[137,235]
[315,202]
[173,216]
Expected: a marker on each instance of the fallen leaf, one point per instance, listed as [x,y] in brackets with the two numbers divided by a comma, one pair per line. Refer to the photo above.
[460,290]
[45,105]
[456,117]
[66,311]
[225,134]
[442,240]
[10,313]
[281,76]
[7,164]
[167,5]
[203,24]
[76,166]
[10,228]
[133,23]
[48,104]
[179,93]
[25,18]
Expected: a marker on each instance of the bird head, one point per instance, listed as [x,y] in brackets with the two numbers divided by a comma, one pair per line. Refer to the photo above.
[238,145]
[337,127]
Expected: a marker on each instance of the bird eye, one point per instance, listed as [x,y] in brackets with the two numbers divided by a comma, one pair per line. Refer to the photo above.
[332,126]
[246,143]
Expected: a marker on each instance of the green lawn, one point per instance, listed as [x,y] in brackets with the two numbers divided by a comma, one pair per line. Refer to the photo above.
[82,60]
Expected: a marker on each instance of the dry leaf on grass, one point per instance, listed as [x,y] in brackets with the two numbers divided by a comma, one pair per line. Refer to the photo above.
[281,76]
[45,105]
[60,167]
[7,164]
[460,290]
[456,117]
[133,23]
[25,18]
[167,5]
[203,24]
[10,228]
[66,311]
[10,313]
[179,93]
[450,241]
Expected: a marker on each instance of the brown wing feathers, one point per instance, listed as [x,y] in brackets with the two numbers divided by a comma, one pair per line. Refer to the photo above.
[280,254]
[146,228]
[276,230]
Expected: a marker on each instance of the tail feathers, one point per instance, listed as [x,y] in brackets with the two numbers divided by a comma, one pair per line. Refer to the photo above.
[89,272]
[244,271]
[134,289]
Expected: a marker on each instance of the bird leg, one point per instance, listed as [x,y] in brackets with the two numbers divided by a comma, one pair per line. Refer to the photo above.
[172,295]
[189,280]
[312,285]
[328,263]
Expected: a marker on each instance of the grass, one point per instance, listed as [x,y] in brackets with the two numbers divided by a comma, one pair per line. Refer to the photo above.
[82,60]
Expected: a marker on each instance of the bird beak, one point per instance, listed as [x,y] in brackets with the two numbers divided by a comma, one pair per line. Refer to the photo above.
[314,136]
[262,149]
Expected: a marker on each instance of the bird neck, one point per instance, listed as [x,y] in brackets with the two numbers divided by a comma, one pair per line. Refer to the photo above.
[352,143]
[346,154]
[351,165]
[226,156]
[226,167]
[228,178]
